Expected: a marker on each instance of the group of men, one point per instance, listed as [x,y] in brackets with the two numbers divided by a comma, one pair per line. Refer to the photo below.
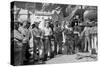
[47,42]
[21,35]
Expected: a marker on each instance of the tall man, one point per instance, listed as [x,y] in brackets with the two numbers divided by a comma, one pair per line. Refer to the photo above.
[47,43]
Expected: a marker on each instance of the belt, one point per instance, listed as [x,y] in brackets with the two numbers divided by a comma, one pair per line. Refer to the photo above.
[36,38]
[46,37]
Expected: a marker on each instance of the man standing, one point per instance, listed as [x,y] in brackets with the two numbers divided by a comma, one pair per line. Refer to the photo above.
[37,41]
[86,33]
[52,39]
[59,38]
[24,29]
[47,43]
[17,39]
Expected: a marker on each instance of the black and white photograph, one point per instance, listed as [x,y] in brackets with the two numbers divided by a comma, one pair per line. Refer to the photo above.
[53,33]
